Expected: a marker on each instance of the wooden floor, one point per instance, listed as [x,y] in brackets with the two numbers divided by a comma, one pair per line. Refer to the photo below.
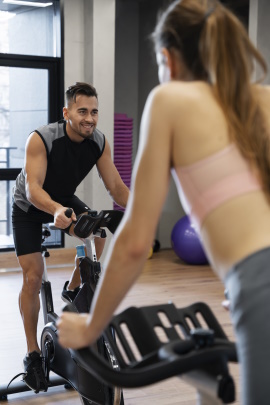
[164,279]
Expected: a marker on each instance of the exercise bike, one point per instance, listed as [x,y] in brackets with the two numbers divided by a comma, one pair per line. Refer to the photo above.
[138,355]
[69,372]
[199,355]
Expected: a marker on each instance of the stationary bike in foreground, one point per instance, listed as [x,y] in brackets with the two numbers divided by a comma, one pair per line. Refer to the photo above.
[153,343]
[149,349]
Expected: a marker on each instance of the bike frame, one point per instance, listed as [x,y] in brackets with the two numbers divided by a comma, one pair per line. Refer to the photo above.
[46,291]
[58,359]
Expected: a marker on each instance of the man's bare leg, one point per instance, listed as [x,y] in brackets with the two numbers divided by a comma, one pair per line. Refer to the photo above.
[29,304]
[75,279]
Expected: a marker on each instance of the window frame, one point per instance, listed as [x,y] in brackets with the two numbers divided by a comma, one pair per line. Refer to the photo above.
[55,67]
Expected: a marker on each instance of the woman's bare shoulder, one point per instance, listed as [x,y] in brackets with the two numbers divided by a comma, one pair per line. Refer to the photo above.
[181,87]
[262,91]
[178,92]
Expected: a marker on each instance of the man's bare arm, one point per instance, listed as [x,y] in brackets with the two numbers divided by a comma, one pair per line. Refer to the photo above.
[35,169]
[111,178]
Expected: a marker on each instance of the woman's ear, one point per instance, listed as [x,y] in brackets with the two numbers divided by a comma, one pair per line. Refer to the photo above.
[175,64]
[170,61]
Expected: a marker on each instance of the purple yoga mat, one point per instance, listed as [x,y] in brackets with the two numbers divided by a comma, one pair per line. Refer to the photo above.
[122,132]
[121,156]
[122,150]
[122,146]
[124,170]
[122,118]
[121,135]
[123,128]
[123,163]
[125,176]
[123,125]
[119,152]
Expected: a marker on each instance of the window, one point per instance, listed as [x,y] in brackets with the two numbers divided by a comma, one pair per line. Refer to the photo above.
[30,30]
[31,91]
[23,107]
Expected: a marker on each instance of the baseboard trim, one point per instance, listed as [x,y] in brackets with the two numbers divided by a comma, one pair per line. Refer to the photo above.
[58,258]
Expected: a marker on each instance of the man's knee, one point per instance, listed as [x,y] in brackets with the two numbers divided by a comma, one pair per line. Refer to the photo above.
[32,282]
[32,266]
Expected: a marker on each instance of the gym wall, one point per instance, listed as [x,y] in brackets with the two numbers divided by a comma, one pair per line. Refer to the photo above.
[89,42]
[107,43]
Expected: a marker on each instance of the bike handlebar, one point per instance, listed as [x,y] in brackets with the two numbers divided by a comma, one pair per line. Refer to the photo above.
[68,212]
[93,221]
[164,363]
[205,352]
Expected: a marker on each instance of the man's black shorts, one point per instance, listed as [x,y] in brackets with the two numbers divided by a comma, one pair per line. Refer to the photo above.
[27,226]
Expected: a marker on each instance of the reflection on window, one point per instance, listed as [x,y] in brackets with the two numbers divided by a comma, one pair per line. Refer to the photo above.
[6,238]
[4,17]
[6,233]
[30,30]
[29,33]
[23,108]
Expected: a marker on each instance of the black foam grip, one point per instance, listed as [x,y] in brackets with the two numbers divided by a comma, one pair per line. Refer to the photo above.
[68,212]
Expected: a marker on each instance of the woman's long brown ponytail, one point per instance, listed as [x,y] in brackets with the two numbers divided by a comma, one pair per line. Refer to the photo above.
[229,58]
[216,48]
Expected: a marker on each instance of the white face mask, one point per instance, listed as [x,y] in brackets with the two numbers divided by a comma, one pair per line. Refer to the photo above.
[164,73]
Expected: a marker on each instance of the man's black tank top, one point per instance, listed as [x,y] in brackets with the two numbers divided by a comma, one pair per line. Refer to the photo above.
[68,163]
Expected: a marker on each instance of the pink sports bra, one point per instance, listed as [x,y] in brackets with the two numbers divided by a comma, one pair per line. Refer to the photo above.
[210,182]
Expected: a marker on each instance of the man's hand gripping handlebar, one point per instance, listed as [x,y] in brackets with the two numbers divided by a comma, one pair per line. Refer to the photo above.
[92,222]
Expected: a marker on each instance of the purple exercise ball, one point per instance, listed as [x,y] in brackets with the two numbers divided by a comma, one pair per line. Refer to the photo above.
[186,242]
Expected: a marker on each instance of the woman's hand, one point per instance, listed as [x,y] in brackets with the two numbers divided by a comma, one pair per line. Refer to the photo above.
[73,330]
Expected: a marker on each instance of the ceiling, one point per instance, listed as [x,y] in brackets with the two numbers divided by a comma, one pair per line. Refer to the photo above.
[18,9]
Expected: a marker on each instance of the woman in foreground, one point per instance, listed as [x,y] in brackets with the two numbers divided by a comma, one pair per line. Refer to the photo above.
[208,125]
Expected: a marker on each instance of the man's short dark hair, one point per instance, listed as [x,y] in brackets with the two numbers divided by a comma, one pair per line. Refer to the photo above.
[80,88]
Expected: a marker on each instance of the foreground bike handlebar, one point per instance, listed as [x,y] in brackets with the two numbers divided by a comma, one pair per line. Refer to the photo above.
[206,350]
[166,363]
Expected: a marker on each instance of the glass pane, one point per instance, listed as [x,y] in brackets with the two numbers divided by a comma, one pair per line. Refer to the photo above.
[6,238]
[23,108]
[30,30]
[6,234]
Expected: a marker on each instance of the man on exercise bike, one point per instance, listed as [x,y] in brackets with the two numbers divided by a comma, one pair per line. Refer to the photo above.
[58,156]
